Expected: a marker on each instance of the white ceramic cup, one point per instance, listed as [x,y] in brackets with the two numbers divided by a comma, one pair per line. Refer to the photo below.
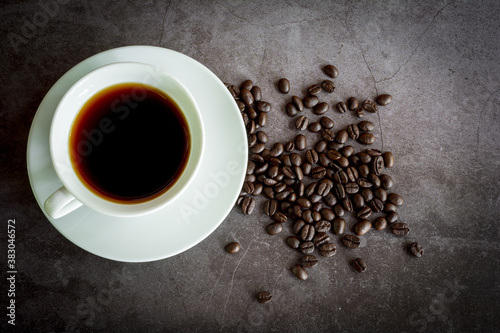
[74,193]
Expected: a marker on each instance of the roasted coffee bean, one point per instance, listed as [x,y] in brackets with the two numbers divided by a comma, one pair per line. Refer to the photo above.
[307,216]
[314,89]
[331,71]
[333,154]
[257,93]
[274,228]
[322,226]
[386,181]
[364,157]
[364,213]
[308,261]
[320,239]
[342,107]
[267,181]
[380,223]
[363,171]
[400,229]
[347,204]
[362,227]
[314,127]
[284,86]
[263,106]
[261,169]
[373,152]
[352,174]
[300,272]
[262,119]
[395,199]
[353,131]
[256,158]
[351,241]
[288,172]
[389,207]
[301,123]
[250,127]
[291,109]
[330,199]
[286,160]
[392,217]
[247,84]
[316,216]
[364,183]
[293,242]
[310,101]
[367,194]
[339,211]
[388,159]
[339,226]
[384,99]
[235,91]
[270,207]
[241,106]
[252,114]
[375,180]
[264,297]
[277,149]
[252,140]
[306,169]
[233,247]
[360,113]
[258,148]
[381,194]
[376,205]
[369,106]
[282,195]
[326,122]
[258,189]
[289,146]
[347,151]
[306,247]
[366,126]
[340,191]
[328,86]
[298,103]
[250,167]
[342,136]
[250,178]
[328,250]
[324,188]
[279,217]
[248,187]
[359,265]
[317,206]
[292,197]
[321,108]
[304,202]
[366,138]
[268,192]
[355,160]
[246,96]
[358,201]
[300,142]
[247,205]
[318,172]
[310,189]
[312,156]
[298,225]
[377,165]
[273,171]
[352,103]
[351,188]
[320,146]
[416,249]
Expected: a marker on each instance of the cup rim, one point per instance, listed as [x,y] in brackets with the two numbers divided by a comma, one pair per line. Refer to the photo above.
[99,79]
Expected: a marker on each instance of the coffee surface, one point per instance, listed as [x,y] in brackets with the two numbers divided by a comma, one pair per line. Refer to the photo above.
[129,143]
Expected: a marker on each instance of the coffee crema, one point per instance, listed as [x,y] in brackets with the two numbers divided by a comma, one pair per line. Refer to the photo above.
[129,143]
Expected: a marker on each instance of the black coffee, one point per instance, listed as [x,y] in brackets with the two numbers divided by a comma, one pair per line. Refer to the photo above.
[129,143]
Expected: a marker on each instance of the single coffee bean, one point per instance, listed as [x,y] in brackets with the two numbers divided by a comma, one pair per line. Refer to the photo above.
[375,180]
[364,183]
[367,194]
[279,217]
[235,91]
[339,226]
[300,272]
[352,103]
[339,211]
[392,217]
[328,86]
[359,265]
[241,105]
[351,241]
[360,113]
[315,127]
[284,86]
[333,154]
[306,169]
[293,242]
[268,192]
[416,249]
[342,107]
[347,204]
[263,106]
[247,84]
[298,225]
[318,172]
[322,226]
[264,297]
[308,261]
[321,108]
[252,114]
[256,158]
[273,172]
[324,188]
[248,205]
[400,229]
[395,199]
[352,174]
[366,126]
[388,159]
[376,205]
[250,127]
[314,90]
[364,157]
[307,216]
[326,122]
[304,202]
[274,228]
[341,177]
[328,250]
[300,142]
[282,195]
[262,119]
[320,239]
[257,93]
[258,189]
[301,123]
[331,71]
[364,213]
[353,131]
[386,181]
[381,194]
[310,101]
[342,136]
[306,247]
[366,138]
[362,227]
[328,135]
[377,165]
[320,146]
[351,188]
[384,99]
[307,233]
[369,106]
[373,152]
[358,201]
[298,103]
[246,96]
[380,223]
[233,247]
[291,109]
[330,199]
[252,140]
[295,159]
[270,207]
[389,207]
[316,215]
[317,206]
[248,187]
[312,156]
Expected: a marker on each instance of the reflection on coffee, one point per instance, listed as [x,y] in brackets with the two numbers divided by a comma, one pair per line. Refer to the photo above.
[130,143]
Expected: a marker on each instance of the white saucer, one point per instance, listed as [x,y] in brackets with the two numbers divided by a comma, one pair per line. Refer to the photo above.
[202,206]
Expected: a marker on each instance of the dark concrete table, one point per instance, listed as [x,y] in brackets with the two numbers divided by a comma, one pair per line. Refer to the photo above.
[440,62]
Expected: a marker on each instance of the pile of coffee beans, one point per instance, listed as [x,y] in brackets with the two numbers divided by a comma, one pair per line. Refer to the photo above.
[310,187]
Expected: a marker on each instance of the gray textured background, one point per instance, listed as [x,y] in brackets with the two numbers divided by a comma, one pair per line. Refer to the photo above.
[440,62]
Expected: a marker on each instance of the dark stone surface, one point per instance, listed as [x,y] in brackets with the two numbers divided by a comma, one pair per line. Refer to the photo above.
[438,60]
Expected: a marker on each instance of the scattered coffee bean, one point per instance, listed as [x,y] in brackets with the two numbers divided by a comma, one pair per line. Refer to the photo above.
[392,217]
[352,103]
[326,122]
[320,239]
[395,199]
[359,265]
[328,250]
[264,297]
[338,226]
[315,127]
[322,226]
[400,229]
[353,131]
[306,247]
[328,86]
[362,227]
[310,101]
[274,228]
[300,142]
[308,261]
[301,123]
[293,242]
[284,86]
[366,138]
[386,181]
[380,223]
[321,108]
[388,159]
[351,241]
[416,249]
[233,247]
[369,106]
[257,93]
[297,102]
[331,71]
[384,99]
[248,205]
[366,126]
[291,109]
[342,107]
[314,90]
[300,272]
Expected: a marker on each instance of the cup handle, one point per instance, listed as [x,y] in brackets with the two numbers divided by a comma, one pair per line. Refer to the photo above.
[60,203]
